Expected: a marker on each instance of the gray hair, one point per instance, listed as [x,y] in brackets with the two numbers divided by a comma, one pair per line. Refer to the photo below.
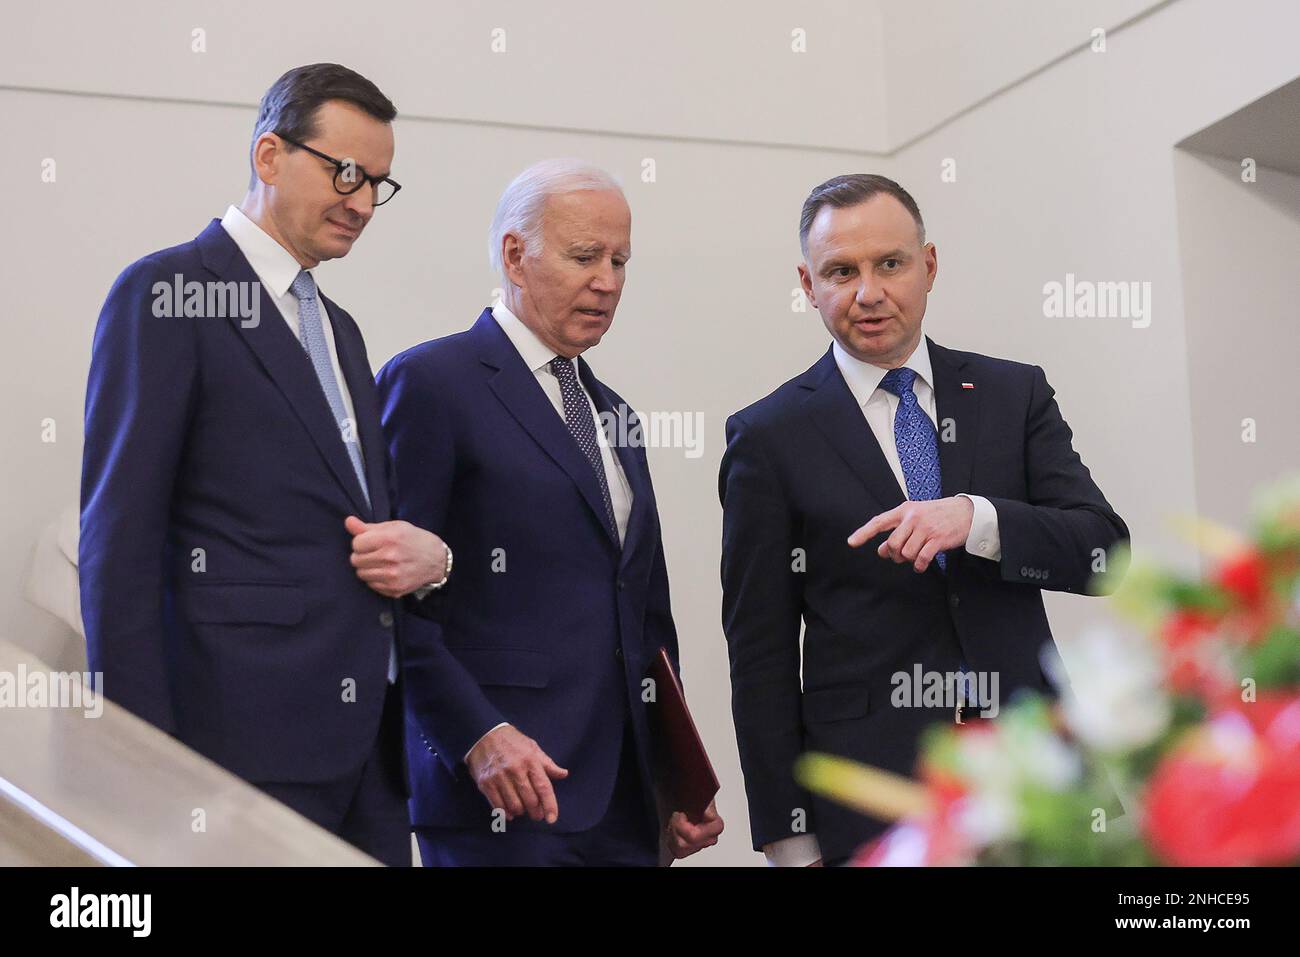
[519,210]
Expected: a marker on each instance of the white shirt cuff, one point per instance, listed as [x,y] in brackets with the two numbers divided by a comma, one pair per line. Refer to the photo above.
[984,540]
[482,736]
[798,851]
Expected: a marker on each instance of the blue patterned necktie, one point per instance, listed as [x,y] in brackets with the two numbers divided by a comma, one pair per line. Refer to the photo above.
[312,335]
[916,442]
[577,416]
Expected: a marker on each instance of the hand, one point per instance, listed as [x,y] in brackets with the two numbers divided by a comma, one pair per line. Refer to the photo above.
[685,837]
[514,774]
[921,530]
[395,558]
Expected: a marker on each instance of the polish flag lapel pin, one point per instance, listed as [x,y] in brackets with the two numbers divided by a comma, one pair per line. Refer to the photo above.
[968,385]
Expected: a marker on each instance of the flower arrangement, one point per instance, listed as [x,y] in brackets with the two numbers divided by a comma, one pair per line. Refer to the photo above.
[1175,741]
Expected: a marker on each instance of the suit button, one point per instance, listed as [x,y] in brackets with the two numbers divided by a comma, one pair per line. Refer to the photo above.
[618,653]
[954,600]
[621,584]
[1024,571]
[386,618]
[1045,574]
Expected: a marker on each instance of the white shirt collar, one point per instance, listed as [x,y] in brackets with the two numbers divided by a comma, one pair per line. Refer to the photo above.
[531,349]
[863,378]
[273,264]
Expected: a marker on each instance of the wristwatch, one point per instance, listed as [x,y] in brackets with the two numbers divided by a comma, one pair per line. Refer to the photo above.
[422,592]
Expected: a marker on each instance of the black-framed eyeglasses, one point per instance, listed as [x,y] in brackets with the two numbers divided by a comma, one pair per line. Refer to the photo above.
[349,177]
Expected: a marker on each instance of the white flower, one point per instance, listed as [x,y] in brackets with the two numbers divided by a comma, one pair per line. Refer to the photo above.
[987,817]
[905,845]
[1113,699]
[1045,759]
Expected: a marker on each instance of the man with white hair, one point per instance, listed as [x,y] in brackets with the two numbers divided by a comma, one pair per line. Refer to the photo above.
[539,751]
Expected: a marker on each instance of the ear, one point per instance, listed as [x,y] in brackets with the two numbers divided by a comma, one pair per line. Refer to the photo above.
[268,153]
[805,280]
[931,265]
[512,256]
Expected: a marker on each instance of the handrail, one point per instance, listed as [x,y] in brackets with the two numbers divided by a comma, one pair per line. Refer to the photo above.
[83,781]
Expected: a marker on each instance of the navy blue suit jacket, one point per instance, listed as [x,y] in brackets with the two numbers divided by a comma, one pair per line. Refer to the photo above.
[802,470]
[546,623]
[201,434]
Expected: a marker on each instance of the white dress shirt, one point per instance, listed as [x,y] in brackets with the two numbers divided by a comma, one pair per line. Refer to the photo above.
[276,269]
[879,407]
[537,355]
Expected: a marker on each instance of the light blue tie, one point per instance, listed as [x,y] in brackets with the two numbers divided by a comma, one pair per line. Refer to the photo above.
[312,335]
[916,442]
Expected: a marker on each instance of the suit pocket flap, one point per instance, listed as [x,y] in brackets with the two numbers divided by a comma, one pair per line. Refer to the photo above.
[835,704]
[517,667]
[269,603]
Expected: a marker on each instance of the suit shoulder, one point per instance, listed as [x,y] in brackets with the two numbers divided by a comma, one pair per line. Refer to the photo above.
[161,262]
[993,364]
[435,356]
[779,406]
[126,307]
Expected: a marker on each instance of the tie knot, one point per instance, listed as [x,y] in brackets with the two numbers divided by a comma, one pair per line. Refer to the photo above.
[304,286]
[562,369]
[899,381]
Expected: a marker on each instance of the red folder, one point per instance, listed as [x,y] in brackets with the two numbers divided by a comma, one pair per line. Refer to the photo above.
[684,778]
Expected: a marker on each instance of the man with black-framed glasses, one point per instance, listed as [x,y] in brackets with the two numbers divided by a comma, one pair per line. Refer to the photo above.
[240,571]
[349,177]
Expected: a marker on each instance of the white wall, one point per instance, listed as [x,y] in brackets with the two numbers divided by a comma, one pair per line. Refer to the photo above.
[942,58]
[1238,244]
[692,70]
[1071,170]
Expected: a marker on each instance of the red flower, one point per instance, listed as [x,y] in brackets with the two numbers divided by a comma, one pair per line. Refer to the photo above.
[1229,795]
[1245,577]
[1187,626]
[1190,660]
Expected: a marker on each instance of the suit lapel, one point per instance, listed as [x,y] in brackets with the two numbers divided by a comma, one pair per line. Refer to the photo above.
[958,412]
[517,388]
[284,359]
[365,407]
[835,413]
[631,460]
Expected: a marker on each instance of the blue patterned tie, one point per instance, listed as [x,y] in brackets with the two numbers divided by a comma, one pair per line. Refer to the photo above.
[916,442]
[577,416]
[312,335]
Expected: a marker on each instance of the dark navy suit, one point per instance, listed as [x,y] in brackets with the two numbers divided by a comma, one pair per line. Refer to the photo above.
[546,623]
[803,470]
[216,588]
